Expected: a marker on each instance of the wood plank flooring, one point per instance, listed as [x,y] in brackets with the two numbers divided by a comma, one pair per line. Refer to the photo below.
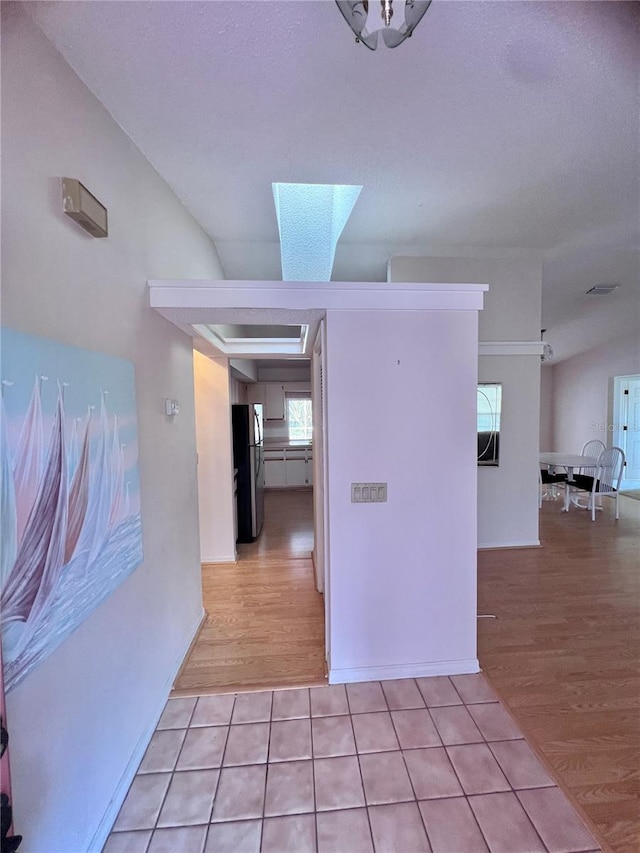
[563,654]
[265,619]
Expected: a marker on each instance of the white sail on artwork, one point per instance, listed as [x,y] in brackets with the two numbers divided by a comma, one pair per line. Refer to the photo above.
[71,526]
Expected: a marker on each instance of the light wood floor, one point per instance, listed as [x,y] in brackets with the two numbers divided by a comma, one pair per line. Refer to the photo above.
[564,651]
[265,619]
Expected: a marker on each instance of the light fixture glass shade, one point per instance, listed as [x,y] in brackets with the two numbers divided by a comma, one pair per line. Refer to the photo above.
[367,19]
[310,221]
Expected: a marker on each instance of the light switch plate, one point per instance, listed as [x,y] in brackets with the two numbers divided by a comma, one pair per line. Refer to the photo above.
[368,493]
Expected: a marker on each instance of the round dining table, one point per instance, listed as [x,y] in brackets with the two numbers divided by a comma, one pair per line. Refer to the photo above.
[568,461]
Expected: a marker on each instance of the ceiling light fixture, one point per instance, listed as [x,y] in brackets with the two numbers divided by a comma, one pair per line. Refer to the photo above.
[397,22]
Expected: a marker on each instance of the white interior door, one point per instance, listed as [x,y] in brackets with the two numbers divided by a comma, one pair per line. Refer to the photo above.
[626,432]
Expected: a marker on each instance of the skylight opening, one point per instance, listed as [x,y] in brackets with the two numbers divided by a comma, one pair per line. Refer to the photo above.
[311,218]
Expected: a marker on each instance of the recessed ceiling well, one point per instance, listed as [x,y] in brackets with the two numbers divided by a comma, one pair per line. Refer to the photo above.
[251,340]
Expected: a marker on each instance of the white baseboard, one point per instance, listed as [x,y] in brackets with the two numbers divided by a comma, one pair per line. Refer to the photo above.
[108,819]
[403,670]
[533,543]
[232,558]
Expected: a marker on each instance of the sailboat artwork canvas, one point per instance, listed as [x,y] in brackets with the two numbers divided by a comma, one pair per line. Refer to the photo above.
[71,529]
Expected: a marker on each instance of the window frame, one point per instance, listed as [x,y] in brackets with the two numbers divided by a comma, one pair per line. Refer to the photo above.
[291,396]
[488,449]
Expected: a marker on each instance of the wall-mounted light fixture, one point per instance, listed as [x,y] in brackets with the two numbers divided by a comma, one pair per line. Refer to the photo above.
[84,208]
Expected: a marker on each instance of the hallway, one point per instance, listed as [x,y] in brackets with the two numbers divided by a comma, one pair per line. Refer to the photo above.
[265,619]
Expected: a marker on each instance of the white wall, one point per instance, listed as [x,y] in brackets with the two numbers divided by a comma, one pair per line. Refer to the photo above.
[215,459]
[237,391]
[546,408]
[507,495]
[285,374]
[401,394]
[582,388]
[512,305]
[79,719]
[507,505]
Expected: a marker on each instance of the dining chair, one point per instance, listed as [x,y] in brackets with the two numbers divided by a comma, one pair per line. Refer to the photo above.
[591,448]
[605,482]
[546,478]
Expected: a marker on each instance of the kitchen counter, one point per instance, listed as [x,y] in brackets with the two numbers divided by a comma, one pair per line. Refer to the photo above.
[286,444]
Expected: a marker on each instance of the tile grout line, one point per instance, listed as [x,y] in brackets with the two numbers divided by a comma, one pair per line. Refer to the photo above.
[313,775]
[464,793]
[217,785]
[357,756]
[511,785]
[558,782]
[137,774]
[266,770]
[174,771]
[511,791]
[450,762]
[404,761]
[224,751]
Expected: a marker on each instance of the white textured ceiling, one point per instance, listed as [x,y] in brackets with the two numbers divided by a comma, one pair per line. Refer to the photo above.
[499,124]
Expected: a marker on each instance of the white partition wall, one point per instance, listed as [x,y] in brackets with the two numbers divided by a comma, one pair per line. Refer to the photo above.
[401,376]
[507,495]
[215,459]
[401,389]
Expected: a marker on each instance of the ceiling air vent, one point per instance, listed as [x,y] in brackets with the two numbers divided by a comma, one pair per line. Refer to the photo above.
[601,289]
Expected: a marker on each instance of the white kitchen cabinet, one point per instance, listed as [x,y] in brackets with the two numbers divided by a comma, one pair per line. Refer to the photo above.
[296,471]
[255,393]
[274,401]
[288,467]
[275,475]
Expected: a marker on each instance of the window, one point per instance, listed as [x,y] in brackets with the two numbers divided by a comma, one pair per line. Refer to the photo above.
[489,409]
[299,416]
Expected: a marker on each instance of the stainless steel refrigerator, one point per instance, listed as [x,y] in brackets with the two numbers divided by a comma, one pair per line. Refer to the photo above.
[248,458]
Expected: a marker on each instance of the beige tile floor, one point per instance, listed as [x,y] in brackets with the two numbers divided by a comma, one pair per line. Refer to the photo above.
[427,764]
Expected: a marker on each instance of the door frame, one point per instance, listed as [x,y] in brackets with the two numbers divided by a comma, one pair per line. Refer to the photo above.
[320,500]
[620,418]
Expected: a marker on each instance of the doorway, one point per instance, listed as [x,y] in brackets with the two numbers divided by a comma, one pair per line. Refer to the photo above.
[264,625]
[626,426]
